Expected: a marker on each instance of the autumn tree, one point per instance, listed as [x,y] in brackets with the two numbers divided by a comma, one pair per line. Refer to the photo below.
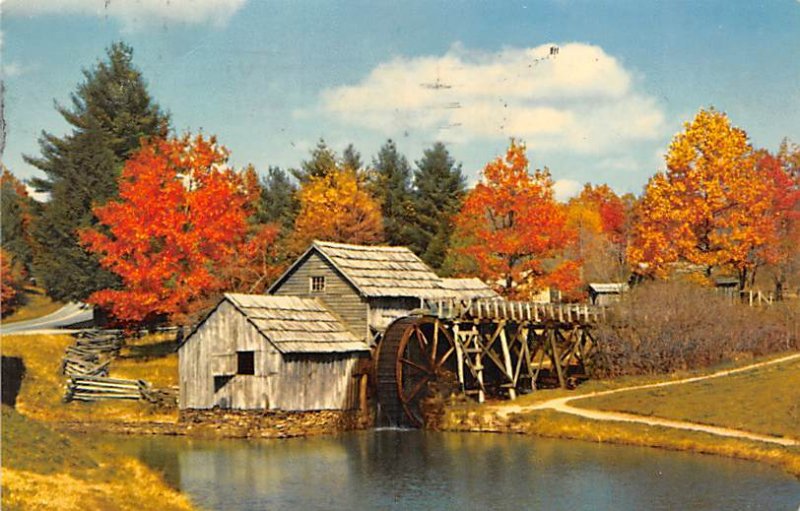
[180,218]
[390,182]
[782,257]
[17,211]
[710,208]
[111,112]
[336,207]
[600,218]
[11,283]
[438,194]
[516,230]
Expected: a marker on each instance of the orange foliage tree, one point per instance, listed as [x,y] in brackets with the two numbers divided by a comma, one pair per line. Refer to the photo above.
[710,207]
[600,218]
[336,207]
[514,230]
[8,284]
[180,217]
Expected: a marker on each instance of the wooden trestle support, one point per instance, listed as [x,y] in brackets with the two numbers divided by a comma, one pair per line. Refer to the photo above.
[486,347]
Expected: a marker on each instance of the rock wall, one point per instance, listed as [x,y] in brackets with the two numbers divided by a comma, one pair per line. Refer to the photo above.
[271,424]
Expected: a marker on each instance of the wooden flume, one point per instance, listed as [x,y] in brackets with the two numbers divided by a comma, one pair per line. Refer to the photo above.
[481,348]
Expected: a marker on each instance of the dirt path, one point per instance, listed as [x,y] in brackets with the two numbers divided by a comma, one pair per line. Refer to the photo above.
[561,405]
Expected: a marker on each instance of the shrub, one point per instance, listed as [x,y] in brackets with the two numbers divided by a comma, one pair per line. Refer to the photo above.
[662,327]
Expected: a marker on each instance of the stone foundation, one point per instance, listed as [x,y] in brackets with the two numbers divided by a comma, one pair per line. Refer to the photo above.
[270,423]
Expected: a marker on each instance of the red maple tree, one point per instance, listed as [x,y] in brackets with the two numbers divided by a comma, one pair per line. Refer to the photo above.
[181,217]
[515,230]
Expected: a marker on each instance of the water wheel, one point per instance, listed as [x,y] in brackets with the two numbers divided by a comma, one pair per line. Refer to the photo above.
[415,355]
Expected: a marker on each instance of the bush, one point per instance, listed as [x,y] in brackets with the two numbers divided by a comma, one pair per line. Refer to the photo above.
[662,327]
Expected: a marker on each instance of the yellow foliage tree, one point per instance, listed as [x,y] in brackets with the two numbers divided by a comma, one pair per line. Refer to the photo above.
[709,208]
[335,207]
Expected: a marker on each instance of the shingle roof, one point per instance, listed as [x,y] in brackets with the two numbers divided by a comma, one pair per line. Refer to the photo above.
[470,288]
[608,287]
[382,271]
[296,325]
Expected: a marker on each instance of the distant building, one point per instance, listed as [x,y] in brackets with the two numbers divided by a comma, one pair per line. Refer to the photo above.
[605,293]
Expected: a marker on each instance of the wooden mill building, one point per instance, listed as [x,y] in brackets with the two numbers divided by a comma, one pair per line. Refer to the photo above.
[301,347]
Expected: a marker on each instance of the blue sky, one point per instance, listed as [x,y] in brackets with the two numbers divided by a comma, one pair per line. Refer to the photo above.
[271,78]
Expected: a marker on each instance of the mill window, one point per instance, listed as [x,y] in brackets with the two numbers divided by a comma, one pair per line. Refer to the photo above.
[317,284]
[245,362]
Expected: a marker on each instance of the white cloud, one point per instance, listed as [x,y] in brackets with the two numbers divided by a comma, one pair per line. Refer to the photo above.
[132,13]
[565,189]
[13,69]
[580,99]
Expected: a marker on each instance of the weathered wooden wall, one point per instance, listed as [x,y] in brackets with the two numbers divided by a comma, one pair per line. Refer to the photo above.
[293,382]
[382,311]
[339,295]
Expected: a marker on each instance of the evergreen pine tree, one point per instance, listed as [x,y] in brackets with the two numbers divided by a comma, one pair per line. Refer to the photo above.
[278,199]
[351,159]
[111,111]
[323,160]
[391,185]
[438,195]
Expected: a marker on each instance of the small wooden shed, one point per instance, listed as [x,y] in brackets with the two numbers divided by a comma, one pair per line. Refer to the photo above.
[605,293]
[270,353]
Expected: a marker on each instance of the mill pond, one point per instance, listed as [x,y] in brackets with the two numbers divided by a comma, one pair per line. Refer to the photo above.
[412,469]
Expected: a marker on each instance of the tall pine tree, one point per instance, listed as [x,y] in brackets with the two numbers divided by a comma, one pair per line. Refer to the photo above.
[279,202]
[438,195]
[111,111]
[391,185]
[323,161]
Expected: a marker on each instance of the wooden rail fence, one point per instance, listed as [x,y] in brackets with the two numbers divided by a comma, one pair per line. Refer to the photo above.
[91,353]
[99,388]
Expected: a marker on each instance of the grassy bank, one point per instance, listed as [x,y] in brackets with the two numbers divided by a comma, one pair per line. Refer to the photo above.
[747,400]
[43,386]
[45,469]
[765,400]
[35,304]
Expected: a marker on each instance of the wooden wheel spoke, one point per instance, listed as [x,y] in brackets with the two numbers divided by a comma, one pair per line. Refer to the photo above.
[435,340]
[416,366]
[415,390]
[420,338]
[445,357]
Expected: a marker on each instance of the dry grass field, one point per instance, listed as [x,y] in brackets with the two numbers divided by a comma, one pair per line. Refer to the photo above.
[765,400]
[42,391]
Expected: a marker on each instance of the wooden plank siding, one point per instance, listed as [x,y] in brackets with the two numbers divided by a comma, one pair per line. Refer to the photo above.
[297,382]
[339,295]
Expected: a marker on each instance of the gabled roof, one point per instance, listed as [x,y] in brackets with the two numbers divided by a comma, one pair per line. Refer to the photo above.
[296,325]
[469,288]
[608,287]
[376,271]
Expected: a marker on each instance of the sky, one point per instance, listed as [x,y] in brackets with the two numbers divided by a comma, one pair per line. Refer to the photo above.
[596,89]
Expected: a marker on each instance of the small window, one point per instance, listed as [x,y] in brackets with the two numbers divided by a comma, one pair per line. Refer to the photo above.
[317,284]
[245,362]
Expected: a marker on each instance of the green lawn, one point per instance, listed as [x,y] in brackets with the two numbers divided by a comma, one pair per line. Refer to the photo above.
[36,304]
[765,400]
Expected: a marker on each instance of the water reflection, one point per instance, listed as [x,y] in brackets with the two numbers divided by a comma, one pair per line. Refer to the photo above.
[420,470]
